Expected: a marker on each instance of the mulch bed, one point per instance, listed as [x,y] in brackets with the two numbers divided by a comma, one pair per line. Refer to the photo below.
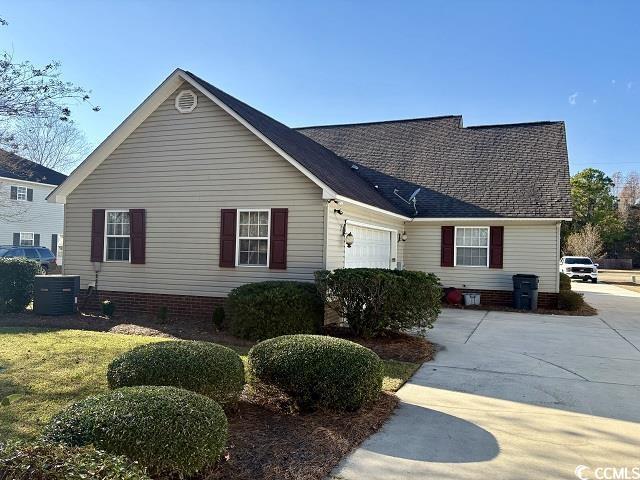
[266,442]
[390,345]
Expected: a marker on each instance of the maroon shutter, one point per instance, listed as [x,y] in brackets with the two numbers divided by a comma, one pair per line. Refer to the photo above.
[496,244]
[97,235]
[137,234]
[278,240]
[446,247]
[228,237]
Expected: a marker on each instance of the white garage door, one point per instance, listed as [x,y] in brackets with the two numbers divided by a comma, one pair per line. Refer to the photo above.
[371,248]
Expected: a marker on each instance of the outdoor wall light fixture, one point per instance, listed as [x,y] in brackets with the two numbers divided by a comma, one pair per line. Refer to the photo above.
[348,237]
[402,237]
[338,211]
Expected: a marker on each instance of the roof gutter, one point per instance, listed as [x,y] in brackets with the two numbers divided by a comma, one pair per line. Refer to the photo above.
[371,207]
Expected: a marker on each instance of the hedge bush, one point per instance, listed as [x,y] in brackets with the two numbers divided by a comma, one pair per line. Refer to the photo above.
[168,430]
[570,300]
[61,462]
[565,282]
[372,300]
[17,276]
[318,371]
[257,311]
[203,367]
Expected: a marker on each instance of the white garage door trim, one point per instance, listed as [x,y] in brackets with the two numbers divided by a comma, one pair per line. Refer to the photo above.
[393,247]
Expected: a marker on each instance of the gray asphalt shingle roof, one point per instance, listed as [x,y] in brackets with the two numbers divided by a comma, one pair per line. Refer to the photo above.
[518,170]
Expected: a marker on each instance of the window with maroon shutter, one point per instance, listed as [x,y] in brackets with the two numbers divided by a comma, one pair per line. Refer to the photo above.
[496,247]
[228,237]
[97,235]
[446,246]
[278,240]
[137,218]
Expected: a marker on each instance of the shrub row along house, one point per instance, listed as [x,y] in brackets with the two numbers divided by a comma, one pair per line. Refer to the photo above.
[26,218]
[196,193]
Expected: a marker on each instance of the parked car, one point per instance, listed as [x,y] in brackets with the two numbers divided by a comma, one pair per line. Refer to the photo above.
[40,254]
[579,267]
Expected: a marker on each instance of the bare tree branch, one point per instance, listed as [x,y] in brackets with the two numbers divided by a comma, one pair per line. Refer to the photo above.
[50,142]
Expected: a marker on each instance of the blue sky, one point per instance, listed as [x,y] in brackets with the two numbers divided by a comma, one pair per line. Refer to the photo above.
[308,63]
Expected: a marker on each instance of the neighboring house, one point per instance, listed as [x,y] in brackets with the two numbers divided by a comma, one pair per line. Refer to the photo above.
[26,218]
[196,193]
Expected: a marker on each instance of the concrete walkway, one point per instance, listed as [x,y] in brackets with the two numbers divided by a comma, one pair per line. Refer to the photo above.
[517,396]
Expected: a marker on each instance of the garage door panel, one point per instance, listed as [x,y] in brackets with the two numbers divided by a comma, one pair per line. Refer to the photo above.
[371,248]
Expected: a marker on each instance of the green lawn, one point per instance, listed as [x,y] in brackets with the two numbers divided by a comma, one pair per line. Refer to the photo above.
[42,370]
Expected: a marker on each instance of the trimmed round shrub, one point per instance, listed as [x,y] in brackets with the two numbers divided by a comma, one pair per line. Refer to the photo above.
[168,430]
[17,276]
[49,461]
[203,367]
[257,311]
[565,281]
[570,300]
[373,300]
[318,371]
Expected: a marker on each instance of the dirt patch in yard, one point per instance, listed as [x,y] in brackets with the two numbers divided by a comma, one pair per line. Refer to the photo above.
[390,345]
[266,442]
[186,329]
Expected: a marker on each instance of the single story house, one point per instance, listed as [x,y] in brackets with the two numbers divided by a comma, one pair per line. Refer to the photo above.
[26,218]
[196,193]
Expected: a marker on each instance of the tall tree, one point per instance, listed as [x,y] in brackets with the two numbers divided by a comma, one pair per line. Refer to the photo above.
[586,242]
[594,203]
[31,91]
[51,142]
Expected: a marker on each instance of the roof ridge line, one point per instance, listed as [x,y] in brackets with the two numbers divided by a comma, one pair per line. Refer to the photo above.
[356,124]
[515,124]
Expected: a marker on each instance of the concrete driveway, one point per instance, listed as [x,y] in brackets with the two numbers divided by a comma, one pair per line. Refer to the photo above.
[518,396]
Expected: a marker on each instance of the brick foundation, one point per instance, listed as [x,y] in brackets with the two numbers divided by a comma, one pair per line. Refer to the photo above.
[178,306]
[201,308]
[504,298]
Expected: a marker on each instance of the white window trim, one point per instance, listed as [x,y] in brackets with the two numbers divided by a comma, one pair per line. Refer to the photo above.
[106,241]
[268,210]
[455,246]
[26,193]
[33,239]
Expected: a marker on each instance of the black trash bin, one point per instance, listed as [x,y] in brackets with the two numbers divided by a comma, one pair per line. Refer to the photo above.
[525,291]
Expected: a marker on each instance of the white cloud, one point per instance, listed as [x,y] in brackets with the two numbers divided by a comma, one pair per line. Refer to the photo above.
[573,98]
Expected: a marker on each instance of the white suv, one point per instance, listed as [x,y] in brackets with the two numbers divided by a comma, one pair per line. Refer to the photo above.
[579,267]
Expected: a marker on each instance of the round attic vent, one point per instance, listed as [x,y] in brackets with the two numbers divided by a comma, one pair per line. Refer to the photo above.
[186,101]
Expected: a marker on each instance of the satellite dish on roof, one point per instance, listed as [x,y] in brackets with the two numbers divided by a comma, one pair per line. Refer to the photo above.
[412,198]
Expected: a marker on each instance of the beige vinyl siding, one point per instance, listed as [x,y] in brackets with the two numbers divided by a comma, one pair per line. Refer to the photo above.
[184,168]
[531,248]
[335,240]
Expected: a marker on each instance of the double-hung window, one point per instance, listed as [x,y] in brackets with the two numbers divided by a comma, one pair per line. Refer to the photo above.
[21,193]
[253,237]
[472,246]
[26,239]
[117,241]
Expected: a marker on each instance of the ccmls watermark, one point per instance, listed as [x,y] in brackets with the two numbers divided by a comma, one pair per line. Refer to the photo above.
[583,472]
